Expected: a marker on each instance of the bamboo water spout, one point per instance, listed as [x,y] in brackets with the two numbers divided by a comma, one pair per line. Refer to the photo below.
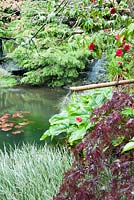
[100,85]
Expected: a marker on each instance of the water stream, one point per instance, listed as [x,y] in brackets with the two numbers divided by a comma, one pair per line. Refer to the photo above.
[40,103]
[97,71]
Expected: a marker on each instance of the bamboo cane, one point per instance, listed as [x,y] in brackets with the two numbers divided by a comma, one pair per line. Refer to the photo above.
[100,85]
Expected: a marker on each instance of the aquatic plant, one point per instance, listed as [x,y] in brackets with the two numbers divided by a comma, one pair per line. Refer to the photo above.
[14,122]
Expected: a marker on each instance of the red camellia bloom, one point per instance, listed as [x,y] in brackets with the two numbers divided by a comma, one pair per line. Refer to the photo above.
[105,30]
[112,10]
[119,52]
[117,37]
[91,46]
[78,119]
[120,63]
[132,105]
[126,47]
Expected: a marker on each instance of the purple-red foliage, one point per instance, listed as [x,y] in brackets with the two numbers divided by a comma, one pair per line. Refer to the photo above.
[100,170]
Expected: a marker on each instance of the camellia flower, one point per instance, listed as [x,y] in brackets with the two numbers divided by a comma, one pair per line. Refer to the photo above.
[117,37]
[120,63]
[126,47]
[112,10]
[105,30]
[91,46]
[119,52]
[132,105]
[78,119]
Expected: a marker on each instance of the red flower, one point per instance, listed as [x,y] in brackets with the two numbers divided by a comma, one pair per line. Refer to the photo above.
[105,30]
[112,10]
[119,52]
[117,37]
[93,1]
[126,47]
[132,105]
[78,119]
[91,46]
[120,63]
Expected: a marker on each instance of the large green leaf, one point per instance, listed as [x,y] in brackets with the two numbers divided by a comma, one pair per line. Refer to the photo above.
[59,118]
[131,28]
[129,146]
[77,135]
[58,129]
[45,135]
[118,140]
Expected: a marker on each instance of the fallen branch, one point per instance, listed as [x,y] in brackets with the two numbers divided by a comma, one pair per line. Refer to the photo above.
[100,85]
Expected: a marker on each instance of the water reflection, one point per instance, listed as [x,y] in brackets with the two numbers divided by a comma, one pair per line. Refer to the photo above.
[41,103]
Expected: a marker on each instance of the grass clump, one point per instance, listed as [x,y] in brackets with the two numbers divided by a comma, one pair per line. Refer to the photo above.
[31,172]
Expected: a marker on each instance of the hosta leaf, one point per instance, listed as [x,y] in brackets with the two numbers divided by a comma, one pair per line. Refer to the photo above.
[132,140]
[129,146]
[63,121]
[90,126]
[77,135]
[118,141]
[59,118]
[131,28]
[58,129]
[45,135]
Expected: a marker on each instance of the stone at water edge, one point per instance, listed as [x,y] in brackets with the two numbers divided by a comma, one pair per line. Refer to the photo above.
[4,72]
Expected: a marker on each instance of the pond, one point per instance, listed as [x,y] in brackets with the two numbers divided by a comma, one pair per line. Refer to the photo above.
[25,113]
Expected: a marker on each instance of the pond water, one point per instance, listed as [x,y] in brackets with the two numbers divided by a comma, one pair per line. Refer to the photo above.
[29,109]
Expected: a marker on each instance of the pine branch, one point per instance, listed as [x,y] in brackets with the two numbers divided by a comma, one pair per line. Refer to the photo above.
[54,13]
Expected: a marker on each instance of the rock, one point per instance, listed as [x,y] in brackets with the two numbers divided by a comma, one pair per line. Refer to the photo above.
[4,72]
[12,68]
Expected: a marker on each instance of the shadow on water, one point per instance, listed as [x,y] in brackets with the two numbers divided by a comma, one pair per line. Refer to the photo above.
[39,102]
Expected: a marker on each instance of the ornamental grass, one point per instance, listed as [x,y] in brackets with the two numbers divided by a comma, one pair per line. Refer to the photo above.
[31,172]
